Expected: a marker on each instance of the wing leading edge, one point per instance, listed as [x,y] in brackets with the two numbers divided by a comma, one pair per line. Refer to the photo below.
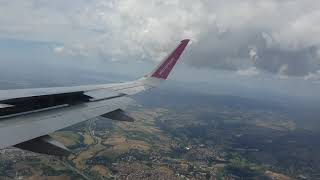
[29,114]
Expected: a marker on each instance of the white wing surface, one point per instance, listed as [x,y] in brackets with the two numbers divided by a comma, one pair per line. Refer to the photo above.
[27,116]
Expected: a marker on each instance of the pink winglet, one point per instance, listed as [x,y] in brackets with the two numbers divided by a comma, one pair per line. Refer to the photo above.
[166,66]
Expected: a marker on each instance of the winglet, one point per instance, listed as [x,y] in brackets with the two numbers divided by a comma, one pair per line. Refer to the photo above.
[165,67]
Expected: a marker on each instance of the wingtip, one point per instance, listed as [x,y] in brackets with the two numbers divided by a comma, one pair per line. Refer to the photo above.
[185,40]
[164,69]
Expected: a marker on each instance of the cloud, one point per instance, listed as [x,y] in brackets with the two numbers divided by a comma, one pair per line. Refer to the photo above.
[283,71]
[313,76]
[247,37]
[300,32]
[252,71]
[59,49]
[253,54]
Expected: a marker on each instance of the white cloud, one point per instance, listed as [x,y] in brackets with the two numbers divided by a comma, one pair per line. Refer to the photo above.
[59,49]
[300,32]
[72,50]
[253,53]
[252,71]
[268,39]
[282,74]
[313,76]
[146,30]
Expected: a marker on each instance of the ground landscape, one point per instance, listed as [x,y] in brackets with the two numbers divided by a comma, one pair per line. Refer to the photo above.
[200,137]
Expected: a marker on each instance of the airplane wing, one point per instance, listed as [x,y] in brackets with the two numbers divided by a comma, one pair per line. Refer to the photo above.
[27,116]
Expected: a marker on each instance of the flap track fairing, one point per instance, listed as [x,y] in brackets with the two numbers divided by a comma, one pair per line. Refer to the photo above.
[118,115]
[45,145]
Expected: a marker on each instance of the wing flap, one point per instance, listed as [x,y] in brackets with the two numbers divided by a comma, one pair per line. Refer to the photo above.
[19,129]
[39,103]
[3,106]
[103,94]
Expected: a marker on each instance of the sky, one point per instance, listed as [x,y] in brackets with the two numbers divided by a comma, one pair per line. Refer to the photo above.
[253,45]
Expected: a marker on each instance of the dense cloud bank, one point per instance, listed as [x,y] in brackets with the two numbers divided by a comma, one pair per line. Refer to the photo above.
[247,37]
